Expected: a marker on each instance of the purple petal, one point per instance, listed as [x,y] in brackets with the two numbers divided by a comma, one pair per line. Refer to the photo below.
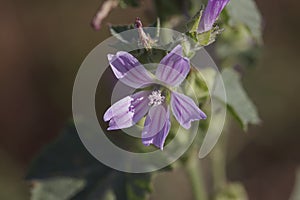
[156,127]
[185,110]
[129,70]
[173,68]
[128,111]
[210,14]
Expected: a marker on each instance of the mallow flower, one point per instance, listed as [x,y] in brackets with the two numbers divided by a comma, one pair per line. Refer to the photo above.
[211,14]
[155,102]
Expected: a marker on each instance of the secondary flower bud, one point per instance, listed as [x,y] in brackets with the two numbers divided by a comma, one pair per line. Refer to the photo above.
[211,14]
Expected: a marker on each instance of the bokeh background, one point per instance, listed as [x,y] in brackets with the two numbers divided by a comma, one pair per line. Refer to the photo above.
[42,44]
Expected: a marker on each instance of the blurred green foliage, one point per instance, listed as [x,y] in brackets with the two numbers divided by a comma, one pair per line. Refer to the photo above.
[245,12]
[66,170]
[239,104]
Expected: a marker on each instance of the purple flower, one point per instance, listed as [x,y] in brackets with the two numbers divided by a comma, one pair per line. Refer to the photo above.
[210,14]
[170,73]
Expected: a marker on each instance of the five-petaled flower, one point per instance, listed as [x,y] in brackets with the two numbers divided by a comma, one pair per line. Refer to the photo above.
[211,14]
[170,73]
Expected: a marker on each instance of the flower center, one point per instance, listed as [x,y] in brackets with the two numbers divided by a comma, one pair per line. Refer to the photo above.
[156,98]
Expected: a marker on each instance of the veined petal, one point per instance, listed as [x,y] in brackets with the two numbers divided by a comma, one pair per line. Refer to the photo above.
[128,111]
[155,120]
[173,68]
[129,70]
[210,14]
[185,110]
[157,126]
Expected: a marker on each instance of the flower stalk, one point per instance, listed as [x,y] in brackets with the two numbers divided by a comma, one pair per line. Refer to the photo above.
[195,175]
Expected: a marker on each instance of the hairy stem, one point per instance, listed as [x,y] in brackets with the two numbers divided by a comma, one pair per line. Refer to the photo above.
[218,167]
[194,171]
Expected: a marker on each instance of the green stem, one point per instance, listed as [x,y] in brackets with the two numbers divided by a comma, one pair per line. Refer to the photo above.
[194,171]
[218,167]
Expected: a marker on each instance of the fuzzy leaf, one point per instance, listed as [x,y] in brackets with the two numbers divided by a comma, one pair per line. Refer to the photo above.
[67,158]
[61,188]
[246,12]
[193,24]
[238,101]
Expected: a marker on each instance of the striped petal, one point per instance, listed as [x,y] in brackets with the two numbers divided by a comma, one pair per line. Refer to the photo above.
[173,68]
[129,70]
[157,126]
[185,110]
[128,111]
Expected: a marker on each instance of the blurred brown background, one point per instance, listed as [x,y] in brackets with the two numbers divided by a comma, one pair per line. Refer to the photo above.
[42,44]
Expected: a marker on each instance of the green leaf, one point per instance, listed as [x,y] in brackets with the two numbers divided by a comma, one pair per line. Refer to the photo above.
[246,12]
[61,188]
[192,25]
[238,101]
[202,39]
[206,38]
[66,157]
[209,37]
[119,186]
